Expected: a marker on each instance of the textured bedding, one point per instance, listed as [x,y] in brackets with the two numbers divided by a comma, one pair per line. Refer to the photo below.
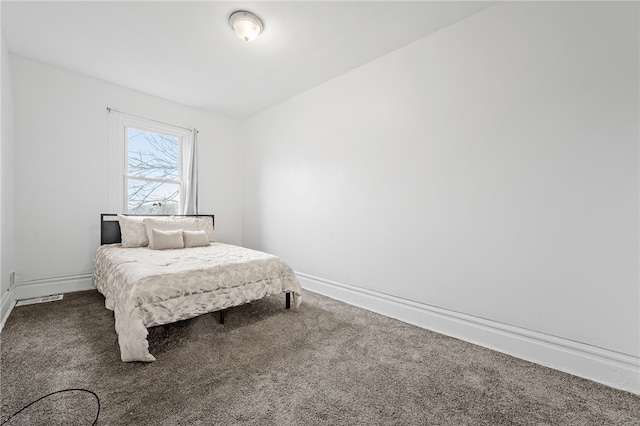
[147,287]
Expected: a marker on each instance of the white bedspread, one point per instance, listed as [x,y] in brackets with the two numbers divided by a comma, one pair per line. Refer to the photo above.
[147,287]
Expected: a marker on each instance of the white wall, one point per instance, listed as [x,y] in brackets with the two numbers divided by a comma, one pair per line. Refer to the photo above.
[7,248]
[61,170]
[490,170]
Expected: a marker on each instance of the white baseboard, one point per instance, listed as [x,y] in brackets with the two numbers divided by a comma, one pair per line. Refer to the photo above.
[604,366]
[48,286]
[6,305]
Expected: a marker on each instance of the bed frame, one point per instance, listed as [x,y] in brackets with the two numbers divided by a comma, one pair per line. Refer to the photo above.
[110,227]
[110,234]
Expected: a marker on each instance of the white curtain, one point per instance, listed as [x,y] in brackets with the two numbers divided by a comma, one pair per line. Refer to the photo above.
[190,175]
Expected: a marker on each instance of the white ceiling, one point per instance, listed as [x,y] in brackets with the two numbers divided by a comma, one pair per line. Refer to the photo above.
[186,51]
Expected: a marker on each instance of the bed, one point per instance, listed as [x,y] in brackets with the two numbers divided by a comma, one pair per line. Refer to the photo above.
[149,285]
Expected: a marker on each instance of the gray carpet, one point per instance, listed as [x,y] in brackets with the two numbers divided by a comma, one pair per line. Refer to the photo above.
[326,364]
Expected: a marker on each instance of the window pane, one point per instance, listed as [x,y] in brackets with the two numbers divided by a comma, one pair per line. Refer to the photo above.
[153,155]
[147,197]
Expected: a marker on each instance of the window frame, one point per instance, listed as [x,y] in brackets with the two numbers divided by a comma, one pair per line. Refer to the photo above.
[120,123]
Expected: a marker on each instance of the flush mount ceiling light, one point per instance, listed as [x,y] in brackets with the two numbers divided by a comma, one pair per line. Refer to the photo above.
[246,25]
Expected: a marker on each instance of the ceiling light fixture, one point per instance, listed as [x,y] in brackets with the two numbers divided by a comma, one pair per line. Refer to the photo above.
[246,25]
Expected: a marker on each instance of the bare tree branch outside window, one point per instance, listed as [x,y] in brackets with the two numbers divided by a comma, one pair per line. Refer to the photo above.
[153,173]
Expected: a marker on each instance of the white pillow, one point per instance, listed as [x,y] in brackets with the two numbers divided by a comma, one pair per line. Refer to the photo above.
[204,223]
[195,238]
[132,231]
[168,224]
[163,240]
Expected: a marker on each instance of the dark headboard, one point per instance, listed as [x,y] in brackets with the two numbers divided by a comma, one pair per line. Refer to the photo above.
[110,227]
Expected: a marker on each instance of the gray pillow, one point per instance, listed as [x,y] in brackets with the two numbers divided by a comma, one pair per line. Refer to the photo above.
[195,238]
[163,240]
[168,224]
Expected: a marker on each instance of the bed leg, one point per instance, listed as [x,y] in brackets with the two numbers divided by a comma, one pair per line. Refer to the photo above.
[288,300]
[222,316]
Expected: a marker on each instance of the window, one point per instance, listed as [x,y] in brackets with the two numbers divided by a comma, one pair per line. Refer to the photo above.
[153,179]
[153,166]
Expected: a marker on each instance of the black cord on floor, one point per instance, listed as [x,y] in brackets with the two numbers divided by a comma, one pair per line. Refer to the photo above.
[53,393]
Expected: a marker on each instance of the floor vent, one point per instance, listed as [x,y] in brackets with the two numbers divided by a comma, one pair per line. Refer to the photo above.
[51,298]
